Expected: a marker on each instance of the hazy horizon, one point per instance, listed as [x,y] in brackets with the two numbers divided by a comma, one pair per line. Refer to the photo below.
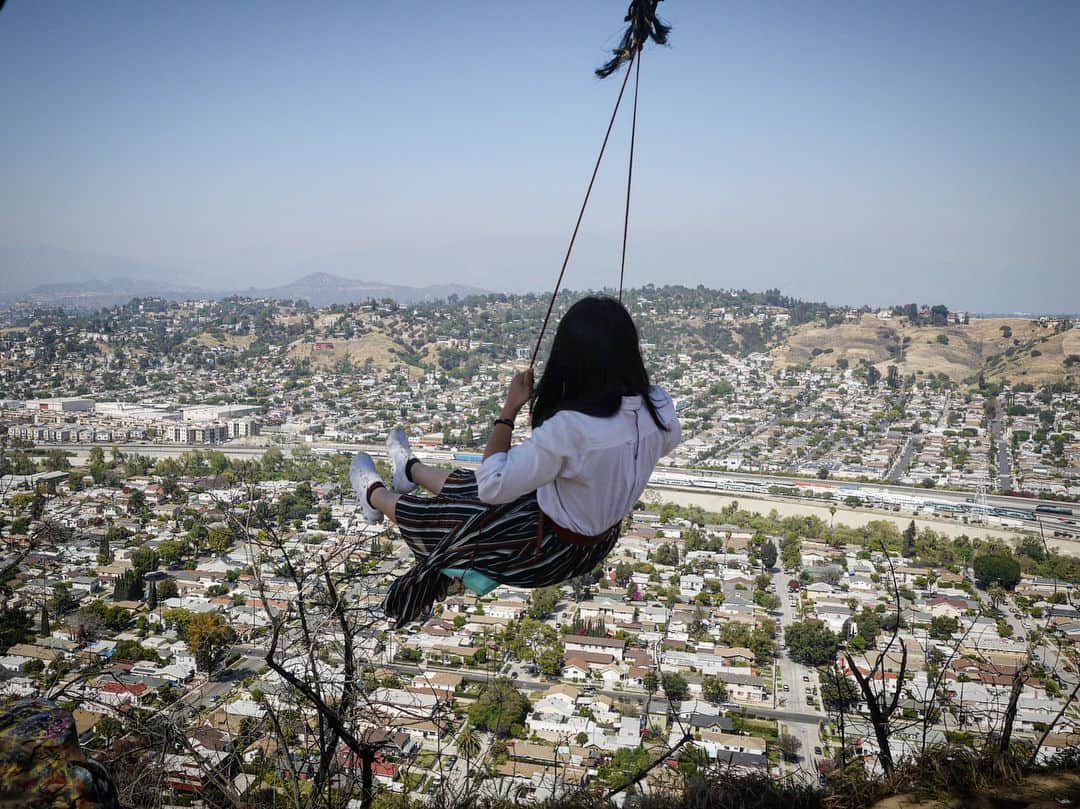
[860,155]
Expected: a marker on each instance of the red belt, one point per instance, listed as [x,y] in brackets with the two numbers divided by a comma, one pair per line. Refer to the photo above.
[566,535]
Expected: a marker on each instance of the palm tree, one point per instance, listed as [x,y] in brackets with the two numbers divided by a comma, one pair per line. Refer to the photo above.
[996,593]
[468,742]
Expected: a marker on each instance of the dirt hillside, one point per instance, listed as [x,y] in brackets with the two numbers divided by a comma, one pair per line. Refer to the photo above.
[1011,348]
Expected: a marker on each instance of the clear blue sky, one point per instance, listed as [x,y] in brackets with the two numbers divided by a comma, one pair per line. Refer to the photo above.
[849,151]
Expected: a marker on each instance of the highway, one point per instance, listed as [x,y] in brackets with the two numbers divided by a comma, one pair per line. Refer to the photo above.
[446,456]
[934,507]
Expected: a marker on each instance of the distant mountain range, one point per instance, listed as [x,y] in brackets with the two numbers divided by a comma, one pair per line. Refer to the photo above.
[96,294]
[319,289]
[324,289]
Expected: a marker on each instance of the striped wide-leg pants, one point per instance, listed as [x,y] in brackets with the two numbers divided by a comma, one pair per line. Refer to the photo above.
[455,529]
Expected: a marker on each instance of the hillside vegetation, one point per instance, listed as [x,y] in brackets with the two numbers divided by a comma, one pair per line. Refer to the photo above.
[1000,348]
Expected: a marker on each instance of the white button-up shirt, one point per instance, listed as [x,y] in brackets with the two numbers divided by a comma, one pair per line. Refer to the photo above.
[587,471]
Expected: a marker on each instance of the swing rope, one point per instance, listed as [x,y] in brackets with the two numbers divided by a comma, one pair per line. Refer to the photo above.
[630,170]
[643,26]
[580,216]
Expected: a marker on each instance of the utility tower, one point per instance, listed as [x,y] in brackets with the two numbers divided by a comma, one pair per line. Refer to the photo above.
[981,507]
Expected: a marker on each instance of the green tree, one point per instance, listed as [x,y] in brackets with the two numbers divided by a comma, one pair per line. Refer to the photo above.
[868,624]
[55,460]
[838,693]
[170,551]
[714,690]
[768,554]
[167,589]
[136,502]
[208,636]
[104,554]
[650,681]
[468,743]
[144,560]
[762,644]
[997,568]
[97,464]
[220,539]
[942,627]
[543,602]
[767,601]
[98,614]
[128,587]
[811,643]
[550,661]
[790,552]
[909,540]
[1033,548]
[530,638]
[996,594]
[498,707]
[626,764]
[675,686]
[133,650]
[666,554]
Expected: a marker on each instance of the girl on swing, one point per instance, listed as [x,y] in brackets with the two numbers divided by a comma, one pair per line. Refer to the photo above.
[551,507]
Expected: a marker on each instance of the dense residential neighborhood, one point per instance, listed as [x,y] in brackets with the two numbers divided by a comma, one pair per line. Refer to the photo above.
[180,540]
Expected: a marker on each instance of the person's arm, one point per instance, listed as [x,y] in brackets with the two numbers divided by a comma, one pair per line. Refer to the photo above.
[521,388]
[505,474]
[671,437]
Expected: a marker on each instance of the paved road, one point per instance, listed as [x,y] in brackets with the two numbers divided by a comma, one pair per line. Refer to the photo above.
[802,720]
[1004,464]
[1047,653]
[1001,458]
[223,681]
[901,465]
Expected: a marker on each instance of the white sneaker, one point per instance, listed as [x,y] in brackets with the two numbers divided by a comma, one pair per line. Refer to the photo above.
[397,446]
[362,473]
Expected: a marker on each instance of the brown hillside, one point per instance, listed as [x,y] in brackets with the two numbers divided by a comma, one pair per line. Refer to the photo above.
[231,340]
[980,346]
[1047,364]
[379,348]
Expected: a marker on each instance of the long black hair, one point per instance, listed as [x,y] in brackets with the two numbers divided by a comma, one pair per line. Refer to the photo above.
[595,360]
